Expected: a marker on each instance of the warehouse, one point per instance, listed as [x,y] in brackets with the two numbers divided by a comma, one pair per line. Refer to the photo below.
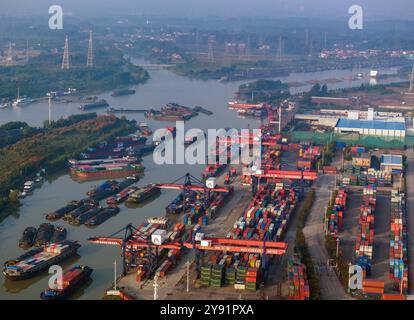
[371,127]
[392,163]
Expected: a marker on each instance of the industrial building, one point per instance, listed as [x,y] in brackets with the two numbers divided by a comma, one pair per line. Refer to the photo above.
[371,127]
[391,163]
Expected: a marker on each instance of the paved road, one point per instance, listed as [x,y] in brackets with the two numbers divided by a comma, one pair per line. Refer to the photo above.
[410,209]
[331,288]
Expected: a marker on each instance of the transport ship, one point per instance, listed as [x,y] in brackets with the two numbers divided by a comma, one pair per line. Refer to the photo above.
[72,279]
[122,92]
[92,162]
[109,188]
[121,196]
[241,105]
[44,234]
[86,216]
[62,211]
[94,105]
[28,237]
[102,216]
[143,194]
[38,260]
[59,234]
[106,171]
[77,212]
[177,205]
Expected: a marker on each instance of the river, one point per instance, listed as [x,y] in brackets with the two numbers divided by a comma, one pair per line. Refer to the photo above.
[163,87]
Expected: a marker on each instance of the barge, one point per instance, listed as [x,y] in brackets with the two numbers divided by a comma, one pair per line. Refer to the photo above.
[38,260]
[72,279]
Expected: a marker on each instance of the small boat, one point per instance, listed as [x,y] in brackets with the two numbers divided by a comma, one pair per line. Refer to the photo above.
[28,187]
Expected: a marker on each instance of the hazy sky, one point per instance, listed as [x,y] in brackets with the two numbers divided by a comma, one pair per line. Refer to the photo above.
[374,9]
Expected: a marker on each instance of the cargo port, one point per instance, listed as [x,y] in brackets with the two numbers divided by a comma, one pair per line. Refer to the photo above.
[317,205]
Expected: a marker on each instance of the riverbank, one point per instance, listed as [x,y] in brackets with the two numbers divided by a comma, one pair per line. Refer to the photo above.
[51,149]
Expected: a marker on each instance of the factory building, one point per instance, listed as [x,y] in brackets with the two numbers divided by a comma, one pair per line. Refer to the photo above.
[392,163]
[381,128]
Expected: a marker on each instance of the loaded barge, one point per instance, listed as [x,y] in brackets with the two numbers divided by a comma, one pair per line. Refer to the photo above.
[38,260]
[72,279]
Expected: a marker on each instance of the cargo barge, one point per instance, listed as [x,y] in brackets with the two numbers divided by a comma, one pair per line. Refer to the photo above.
[84,217]
[106,171]
[72,280]
[59,234]
[44,234]
[109,188]
[94,105]
[28,238]
[143,194]
[122,92]
[102,216]
[121,196]
[38,260]
[77,212]
[56,215]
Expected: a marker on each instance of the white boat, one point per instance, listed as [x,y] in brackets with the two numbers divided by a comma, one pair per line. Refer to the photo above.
[20,102]
[28,186]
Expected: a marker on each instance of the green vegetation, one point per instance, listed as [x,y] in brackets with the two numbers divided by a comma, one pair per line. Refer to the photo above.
[302,248]
[14,131]
[43,74]
[316,91]
[331,245]
[51,148]
[342,269]
[264,91]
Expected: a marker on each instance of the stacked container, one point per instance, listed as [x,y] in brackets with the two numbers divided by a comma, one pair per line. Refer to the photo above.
[298,283]
[398,241]
[338,209]
[365,238]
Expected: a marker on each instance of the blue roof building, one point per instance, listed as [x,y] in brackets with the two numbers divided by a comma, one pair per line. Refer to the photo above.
[391,162]
[371,127]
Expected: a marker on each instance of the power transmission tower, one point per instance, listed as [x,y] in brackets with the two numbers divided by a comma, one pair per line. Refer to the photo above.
[65,60]
[280,49]
[248,48]
[27,51]
[411,89]
[89,62]
[211,41]
[9,57]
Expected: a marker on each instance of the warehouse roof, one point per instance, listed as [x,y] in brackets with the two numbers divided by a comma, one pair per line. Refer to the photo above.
[391,159]
[370,124]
